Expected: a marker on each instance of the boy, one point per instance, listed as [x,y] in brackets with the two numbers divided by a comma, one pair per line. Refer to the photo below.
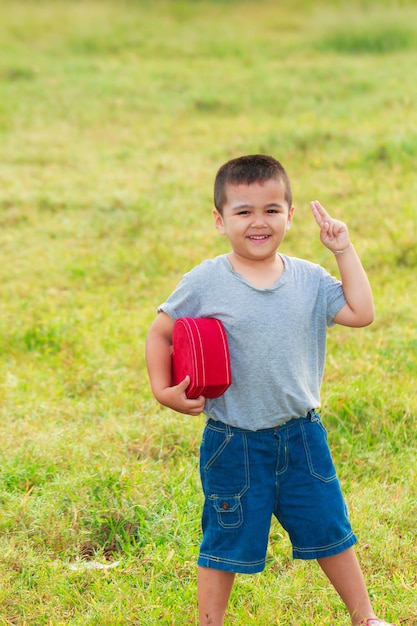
[264,451]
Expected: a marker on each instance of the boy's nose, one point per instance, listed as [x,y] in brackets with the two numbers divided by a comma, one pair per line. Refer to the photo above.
[258,221]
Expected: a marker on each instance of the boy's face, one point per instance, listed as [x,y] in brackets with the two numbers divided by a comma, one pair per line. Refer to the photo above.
[255,219]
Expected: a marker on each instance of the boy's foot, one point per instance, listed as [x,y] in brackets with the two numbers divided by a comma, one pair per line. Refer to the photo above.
[374,621]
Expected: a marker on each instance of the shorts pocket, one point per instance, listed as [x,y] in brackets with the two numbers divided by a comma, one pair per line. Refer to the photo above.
[229,511]
[224,463]
[317,451]
[214,444]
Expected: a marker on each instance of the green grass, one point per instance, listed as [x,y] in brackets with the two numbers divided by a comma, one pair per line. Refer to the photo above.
[114,117]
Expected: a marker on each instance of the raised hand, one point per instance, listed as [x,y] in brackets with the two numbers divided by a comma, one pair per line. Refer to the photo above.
[333,233]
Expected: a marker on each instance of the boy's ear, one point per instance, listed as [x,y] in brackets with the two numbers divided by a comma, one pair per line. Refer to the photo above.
[290,216]
[218,222]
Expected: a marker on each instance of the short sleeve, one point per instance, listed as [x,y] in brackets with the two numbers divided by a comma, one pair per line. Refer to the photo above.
[185,300]
[334,294]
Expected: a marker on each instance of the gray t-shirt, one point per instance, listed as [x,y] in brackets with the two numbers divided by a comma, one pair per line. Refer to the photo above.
[276,336]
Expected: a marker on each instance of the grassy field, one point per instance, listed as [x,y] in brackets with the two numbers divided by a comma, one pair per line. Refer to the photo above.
[114,117]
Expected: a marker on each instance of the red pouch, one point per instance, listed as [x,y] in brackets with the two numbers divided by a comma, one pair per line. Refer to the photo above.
[200,350]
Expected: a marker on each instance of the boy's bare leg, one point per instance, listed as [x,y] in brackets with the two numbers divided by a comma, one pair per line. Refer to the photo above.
[345,574]
[214,588]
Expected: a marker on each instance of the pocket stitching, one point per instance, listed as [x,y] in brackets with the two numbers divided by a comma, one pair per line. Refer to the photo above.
[325,479]
[222,515]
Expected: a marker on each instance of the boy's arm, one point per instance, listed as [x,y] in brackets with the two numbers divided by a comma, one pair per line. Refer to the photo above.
[158,362]
[359,307]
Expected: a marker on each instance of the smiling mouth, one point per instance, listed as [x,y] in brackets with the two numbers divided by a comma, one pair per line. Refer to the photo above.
[258,237]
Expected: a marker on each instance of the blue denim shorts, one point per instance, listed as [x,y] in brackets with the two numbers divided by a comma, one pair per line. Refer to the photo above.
[249,476]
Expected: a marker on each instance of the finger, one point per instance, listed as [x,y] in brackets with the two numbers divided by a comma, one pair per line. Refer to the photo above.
[195,407]
[337,227]
[182,386]
[198,403]
[319,212]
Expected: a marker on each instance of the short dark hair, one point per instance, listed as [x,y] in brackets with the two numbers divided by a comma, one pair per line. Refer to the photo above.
[247,170]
